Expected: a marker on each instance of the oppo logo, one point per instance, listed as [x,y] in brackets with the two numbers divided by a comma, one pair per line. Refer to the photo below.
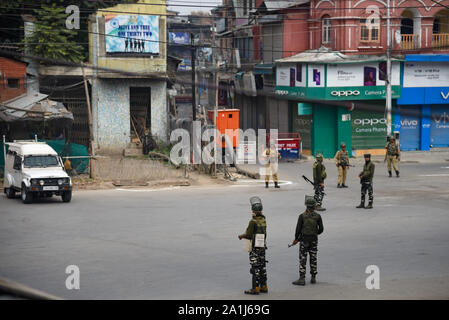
[281,92]
[345,93]
[370,122]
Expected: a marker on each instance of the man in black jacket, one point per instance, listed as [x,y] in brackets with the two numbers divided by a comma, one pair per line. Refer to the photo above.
[309,226]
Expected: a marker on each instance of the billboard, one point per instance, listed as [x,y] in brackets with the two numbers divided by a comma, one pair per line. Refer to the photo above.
[132,34]
[179,37]
[426,74]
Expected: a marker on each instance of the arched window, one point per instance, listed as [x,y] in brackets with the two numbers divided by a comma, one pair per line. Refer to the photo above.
[369,30]
[326,28]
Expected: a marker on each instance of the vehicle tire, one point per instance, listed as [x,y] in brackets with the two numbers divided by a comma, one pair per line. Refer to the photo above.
[66,196]
[10,192]
[27,197]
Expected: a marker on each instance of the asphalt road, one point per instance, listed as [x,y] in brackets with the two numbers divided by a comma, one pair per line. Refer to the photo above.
[181,243]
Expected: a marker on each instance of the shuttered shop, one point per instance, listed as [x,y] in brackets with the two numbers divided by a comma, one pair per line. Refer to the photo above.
[369,130]
[439,126]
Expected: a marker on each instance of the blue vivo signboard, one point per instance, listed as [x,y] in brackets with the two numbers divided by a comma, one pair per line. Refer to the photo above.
[438,95]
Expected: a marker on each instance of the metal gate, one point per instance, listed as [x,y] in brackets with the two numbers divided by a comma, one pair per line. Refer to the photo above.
[439,126]
[410,128]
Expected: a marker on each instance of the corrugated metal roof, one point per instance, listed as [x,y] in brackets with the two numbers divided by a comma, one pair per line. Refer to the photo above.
[34,106]
[278,5]
[324,55]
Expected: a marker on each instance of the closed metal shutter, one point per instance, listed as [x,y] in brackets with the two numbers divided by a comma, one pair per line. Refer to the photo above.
[410,128]
[267,44]
[439,126]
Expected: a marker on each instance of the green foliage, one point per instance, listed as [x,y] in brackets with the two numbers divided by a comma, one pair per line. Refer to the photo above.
[51,39]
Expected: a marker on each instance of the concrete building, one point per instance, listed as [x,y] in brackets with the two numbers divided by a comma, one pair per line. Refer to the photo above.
[129,84]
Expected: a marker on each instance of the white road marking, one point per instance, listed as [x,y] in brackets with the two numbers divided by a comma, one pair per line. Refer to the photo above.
[435,175]
[248,182]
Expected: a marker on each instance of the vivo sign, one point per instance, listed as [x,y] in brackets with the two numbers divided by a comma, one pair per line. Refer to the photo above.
[445,96]
[409,123]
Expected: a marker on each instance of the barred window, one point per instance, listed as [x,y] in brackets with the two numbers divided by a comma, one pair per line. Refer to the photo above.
[326,30]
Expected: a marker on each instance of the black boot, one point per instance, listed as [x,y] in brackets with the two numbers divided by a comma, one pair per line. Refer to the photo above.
[276,184]
[266,184]
[313,279]
[361,205]
[344,186]
[389,174]
[370,205]
[338,186]
[301,281]
[397,174]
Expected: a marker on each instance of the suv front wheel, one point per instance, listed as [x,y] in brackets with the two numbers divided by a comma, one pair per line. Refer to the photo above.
[66,196]
[27,197]
[10,193]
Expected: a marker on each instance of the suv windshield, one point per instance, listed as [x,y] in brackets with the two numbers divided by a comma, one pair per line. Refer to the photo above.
[40,161]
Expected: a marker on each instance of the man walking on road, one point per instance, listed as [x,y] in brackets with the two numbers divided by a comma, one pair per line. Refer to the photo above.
[257,233]
[319,174]
[366,179]
[393,156]
[308,227]
[342,162]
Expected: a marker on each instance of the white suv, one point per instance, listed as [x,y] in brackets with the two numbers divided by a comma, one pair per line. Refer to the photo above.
[34,169]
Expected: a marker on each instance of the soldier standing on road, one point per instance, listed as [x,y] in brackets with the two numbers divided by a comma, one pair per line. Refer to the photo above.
[257,233]
[309,226]
[272,156]
[393,156]
[319,174]
[342,162]
[366,179]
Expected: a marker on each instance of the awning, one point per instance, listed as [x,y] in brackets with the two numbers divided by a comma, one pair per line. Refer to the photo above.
[33,106]
[264,68]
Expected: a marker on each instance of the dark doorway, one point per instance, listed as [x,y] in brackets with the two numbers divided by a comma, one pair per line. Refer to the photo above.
[406,26]
[140,111]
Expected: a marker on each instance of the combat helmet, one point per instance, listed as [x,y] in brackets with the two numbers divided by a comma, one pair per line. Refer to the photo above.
[319,157]
[256,204]
[309,201]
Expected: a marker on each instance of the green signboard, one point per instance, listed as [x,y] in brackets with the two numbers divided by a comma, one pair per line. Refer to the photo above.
[338,93]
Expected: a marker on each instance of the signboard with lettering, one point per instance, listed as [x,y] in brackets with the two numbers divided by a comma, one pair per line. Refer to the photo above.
[426,74]
[132,34]
[336,82]
[439,126]
[369,129]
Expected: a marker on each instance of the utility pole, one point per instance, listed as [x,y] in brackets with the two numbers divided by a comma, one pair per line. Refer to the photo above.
[388,88]
[91,134]
[193,53]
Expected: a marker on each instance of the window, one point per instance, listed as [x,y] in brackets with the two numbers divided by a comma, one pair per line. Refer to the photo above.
[17,163]
[369,30]
[40,161]
[326,29]
[13,83]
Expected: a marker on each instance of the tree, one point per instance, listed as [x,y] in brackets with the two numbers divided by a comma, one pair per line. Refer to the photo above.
[51,39]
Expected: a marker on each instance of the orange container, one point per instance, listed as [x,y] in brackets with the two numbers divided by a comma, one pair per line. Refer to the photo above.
[227,119]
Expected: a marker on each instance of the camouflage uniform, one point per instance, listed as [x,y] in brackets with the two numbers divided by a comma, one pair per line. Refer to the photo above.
[257,261]
[308,227]
[319,174]
[366,179]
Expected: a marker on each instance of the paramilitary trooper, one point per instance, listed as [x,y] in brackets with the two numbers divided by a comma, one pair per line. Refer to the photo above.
[272,156]
[319,174]
[257,233]
[342,162]
[366,179]
[309,226]
[393,156]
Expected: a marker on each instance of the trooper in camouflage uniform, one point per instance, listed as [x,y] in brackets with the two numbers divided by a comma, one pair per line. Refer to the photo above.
[342,162]
[393,156]
[257,233]
[319,174]
[366,179]
[308,227]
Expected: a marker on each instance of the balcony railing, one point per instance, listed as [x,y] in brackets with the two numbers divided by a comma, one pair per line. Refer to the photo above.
[441,41]
[409,41]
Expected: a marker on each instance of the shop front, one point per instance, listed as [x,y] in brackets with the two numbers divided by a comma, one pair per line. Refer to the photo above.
[337,101]
[422,114]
